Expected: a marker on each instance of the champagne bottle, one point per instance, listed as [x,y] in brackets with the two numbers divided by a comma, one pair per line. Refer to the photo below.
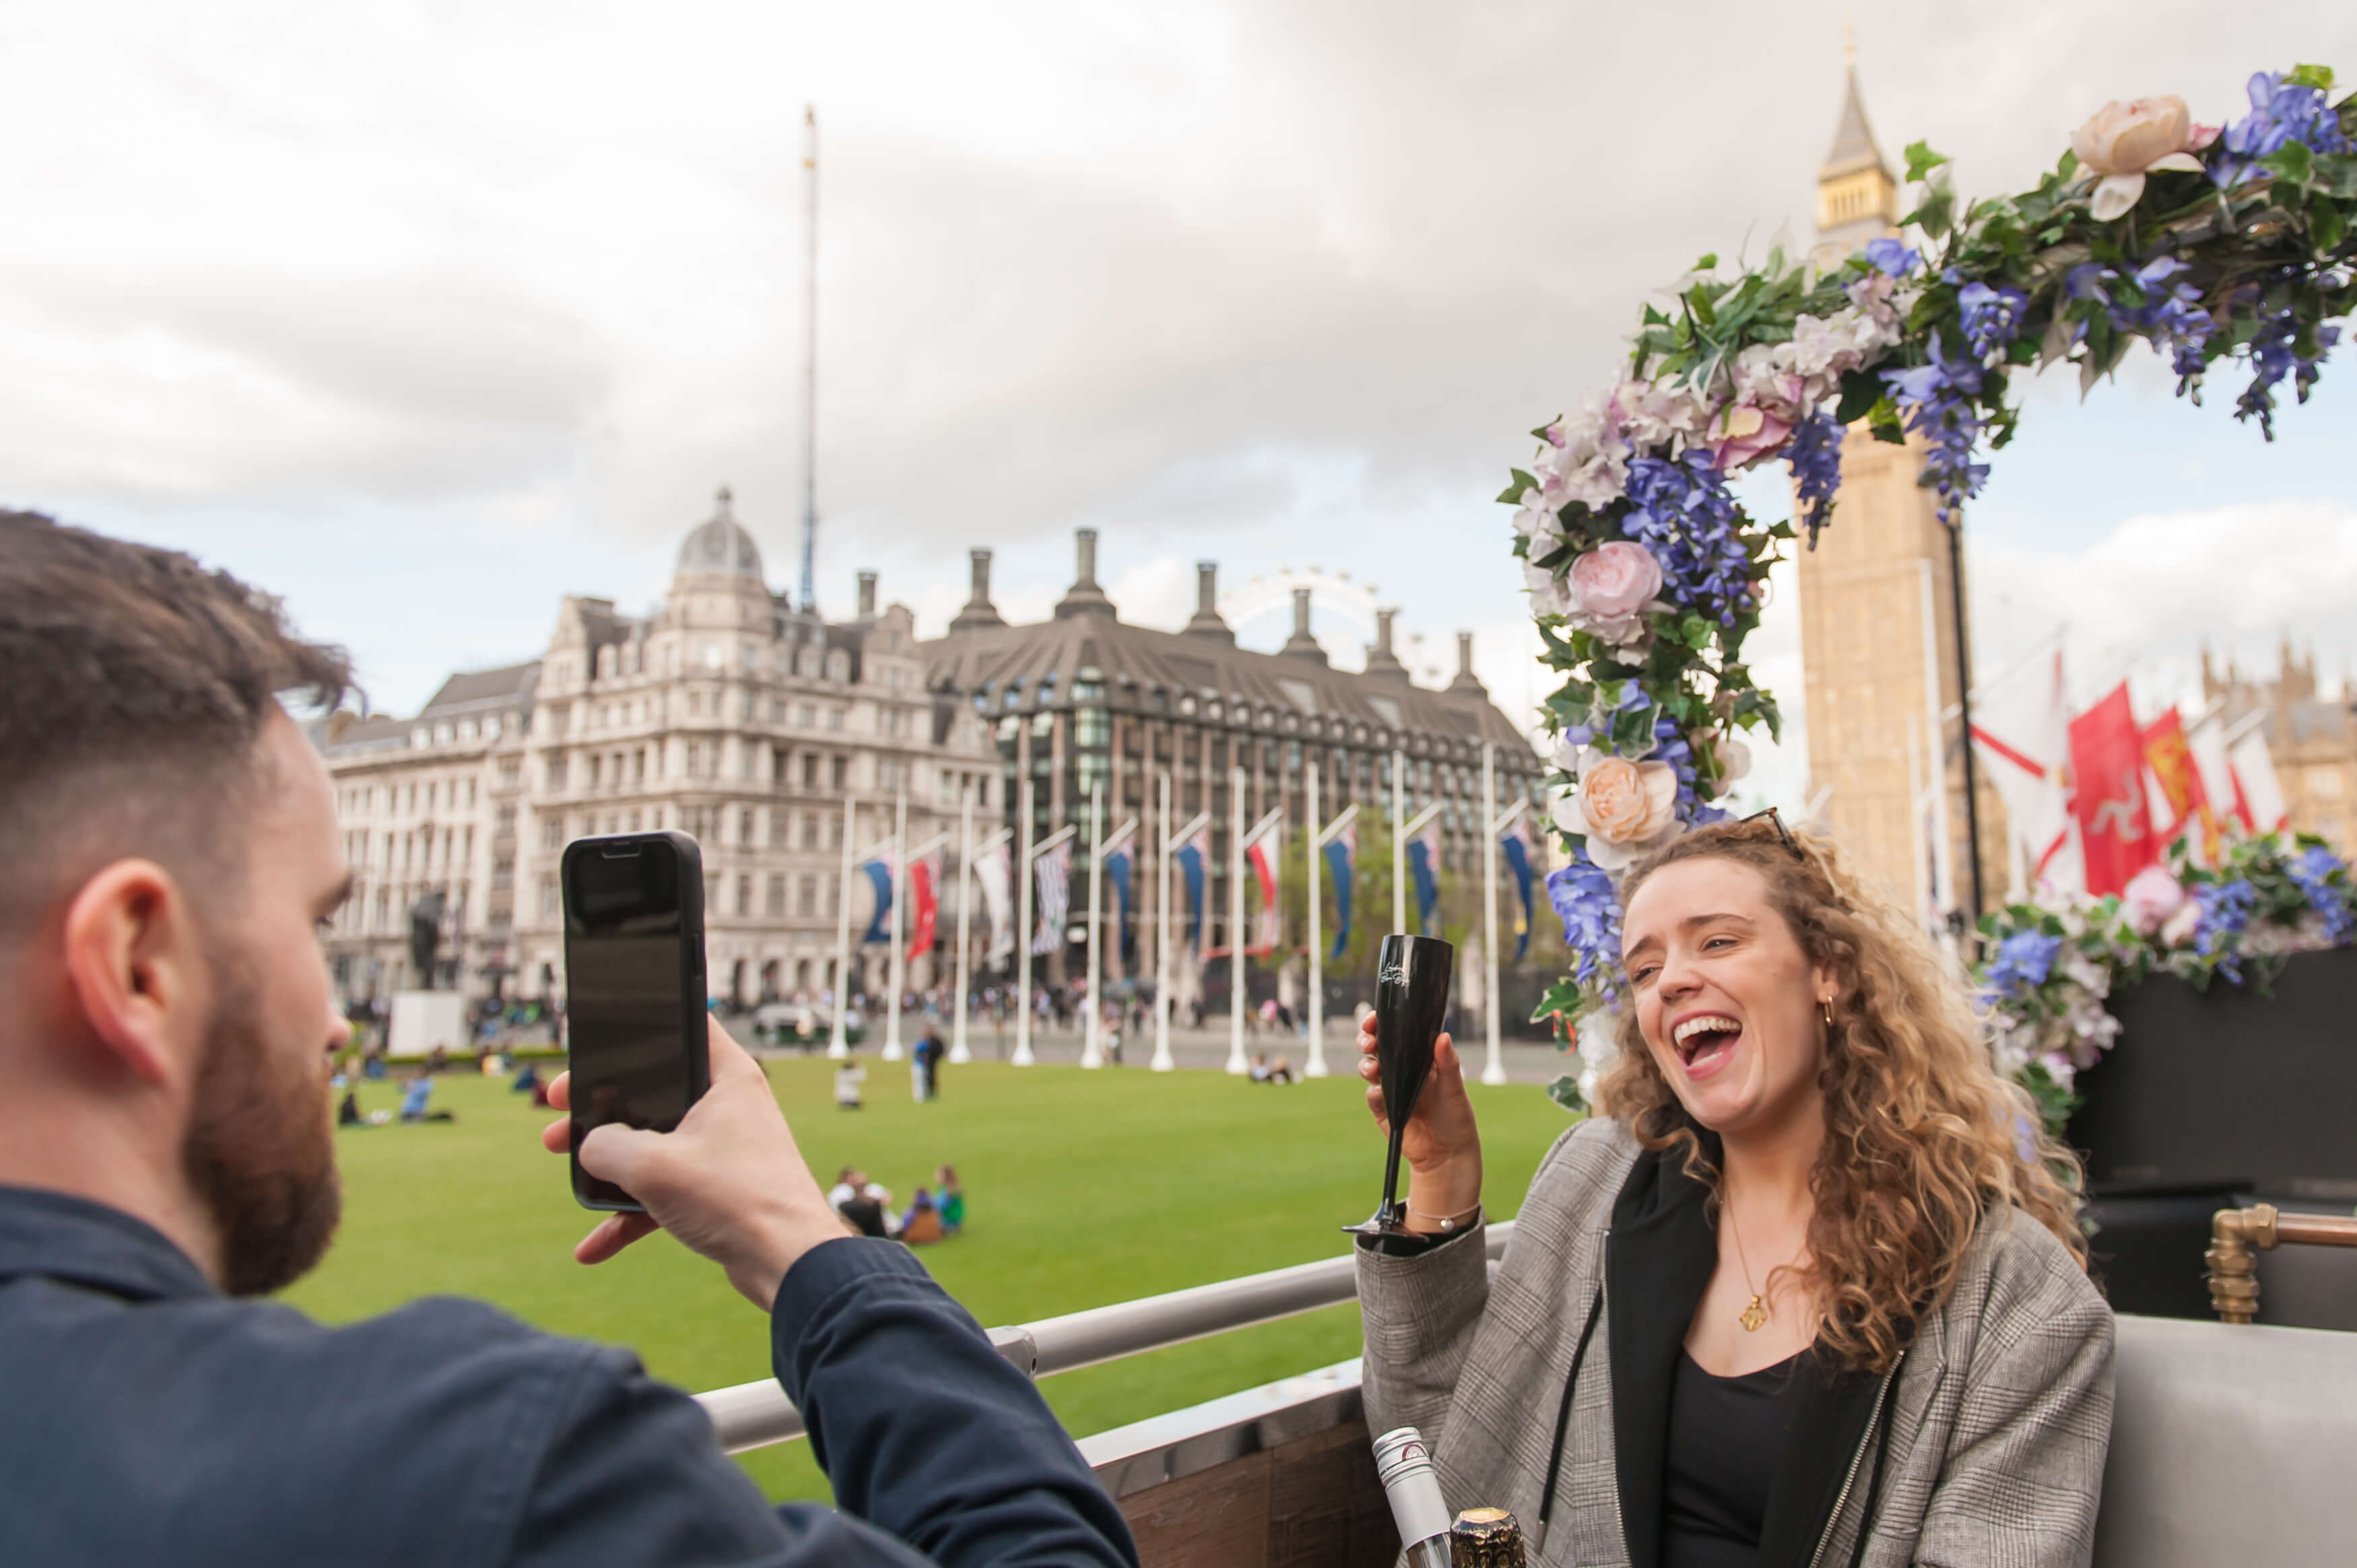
[1414,1490]
[1486,1538]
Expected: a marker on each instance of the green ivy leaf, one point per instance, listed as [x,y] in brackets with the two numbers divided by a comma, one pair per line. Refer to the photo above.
[1936,212]
[2320,77]
[1709,260]
[1884,421]
[2293,162]
[1860,390]
[1922,160]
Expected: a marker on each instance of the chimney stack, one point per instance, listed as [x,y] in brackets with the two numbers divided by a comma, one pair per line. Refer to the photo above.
[1084,597]
[979,611]
[1381,660]
[1301,645]
[1465,681]
[1207,621]
[867,595]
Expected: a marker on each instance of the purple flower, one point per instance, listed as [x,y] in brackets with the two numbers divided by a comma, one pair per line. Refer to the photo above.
[1590,908]
[2171,317]
[2086,280]
[2313,870]
[1684,513]
[1992,318]
[1891,257]
[2278,114]
[1937,398]
[2273,357]
[2226,909]
[2021,964]
[1815,456]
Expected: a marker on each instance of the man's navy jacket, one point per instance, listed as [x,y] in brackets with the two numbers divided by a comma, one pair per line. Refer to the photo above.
[145,1420]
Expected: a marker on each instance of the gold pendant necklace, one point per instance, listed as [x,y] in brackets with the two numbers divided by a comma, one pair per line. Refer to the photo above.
[1756,1314]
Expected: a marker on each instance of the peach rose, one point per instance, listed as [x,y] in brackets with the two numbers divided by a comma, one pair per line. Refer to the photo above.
[1621,807]
[2123,140]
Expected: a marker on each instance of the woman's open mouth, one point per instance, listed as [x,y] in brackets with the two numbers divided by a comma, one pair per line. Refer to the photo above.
[1706,1042]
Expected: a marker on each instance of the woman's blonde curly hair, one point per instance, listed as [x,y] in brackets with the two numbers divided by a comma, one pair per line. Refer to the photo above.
[1923,1135]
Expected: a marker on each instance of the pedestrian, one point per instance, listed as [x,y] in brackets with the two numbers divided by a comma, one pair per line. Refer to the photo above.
[849,1095]
[949,1198]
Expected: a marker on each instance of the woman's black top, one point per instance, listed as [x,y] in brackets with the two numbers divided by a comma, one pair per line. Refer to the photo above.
[1727,1440]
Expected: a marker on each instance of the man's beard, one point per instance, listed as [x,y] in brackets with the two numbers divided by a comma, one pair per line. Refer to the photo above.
[260,1152]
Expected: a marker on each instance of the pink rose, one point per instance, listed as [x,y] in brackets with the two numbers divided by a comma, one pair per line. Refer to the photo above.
[2123,140]
[1613,583]
[1743,435]
[1621,807]
[2151,897]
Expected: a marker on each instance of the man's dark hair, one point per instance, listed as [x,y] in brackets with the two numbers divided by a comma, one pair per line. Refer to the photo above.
[137,685]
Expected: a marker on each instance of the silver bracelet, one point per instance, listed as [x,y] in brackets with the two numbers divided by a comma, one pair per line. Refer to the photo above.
[1448,1222]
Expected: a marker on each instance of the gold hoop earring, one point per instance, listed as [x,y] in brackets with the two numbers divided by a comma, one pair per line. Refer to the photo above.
[1828,1005]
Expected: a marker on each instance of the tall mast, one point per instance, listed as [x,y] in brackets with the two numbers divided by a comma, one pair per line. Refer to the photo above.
[810,357]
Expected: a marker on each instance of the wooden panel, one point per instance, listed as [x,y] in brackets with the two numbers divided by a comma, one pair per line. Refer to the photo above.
[1214,1518]
[1312,1503]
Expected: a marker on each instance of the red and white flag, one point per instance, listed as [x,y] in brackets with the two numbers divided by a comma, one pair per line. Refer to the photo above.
[1261,853]
[2023,730]
[2115,836]
[2258,798]
[924,903]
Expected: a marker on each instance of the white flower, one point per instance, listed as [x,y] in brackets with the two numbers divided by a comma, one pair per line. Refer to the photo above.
[1547,597]
[1765,377]
[1537,522]
[1584,459]
[1654,417]
[1597,1045]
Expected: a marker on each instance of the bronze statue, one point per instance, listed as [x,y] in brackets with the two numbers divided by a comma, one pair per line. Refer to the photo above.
[424,936]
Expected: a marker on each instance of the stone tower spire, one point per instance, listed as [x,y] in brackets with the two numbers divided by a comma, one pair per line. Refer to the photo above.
[1857,198]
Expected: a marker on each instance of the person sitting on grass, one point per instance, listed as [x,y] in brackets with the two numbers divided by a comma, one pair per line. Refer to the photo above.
[922,1224]
[951,1199]
[849,1095]
[166,1163]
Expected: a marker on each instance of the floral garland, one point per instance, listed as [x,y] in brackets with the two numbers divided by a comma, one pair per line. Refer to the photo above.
[2046,968]
[1645,573]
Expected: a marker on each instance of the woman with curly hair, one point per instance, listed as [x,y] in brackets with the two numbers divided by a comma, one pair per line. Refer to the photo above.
[1807,1289]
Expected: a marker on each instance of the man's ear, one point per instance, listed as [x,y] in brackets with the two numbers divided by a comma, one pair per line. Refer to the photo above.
[134,956]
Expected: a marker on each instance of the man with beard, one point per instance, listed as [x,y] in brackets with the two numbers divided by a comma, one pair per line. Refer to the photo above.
[171,851]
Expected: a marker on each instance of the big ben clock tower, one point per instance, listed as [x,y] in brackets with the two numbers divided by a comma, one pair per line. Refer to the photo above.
[1877,619]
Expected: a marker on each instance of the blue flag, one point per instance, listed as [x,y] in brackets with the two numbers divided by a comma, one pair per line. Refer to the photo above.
[879,931]
[1424,865]
[1341,865]
[1190,856]
[1517,842]
[1116,866]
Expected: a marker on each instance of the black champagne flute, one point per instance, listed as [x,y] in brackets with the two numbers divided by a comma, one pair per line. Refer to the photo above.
[1411,1002]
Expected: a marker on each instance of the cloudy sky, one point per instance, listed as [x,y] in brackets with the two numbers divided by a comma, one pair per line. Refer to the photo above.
[422,315]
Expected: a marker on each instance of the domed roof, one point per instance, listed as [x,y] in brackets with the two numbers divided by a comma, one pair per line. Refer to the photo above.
[720,545]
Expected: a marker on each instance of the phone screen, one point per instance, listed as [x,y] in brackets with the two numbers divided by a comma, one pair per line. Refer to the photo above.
[633,966]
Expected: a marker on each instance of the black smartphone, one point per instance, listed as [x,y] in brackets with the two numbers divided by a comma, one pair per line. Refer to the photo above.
[633,989]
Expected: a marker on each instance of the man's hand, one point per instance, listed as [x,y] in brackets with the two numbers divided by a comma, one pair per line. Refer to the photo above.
[728,1184]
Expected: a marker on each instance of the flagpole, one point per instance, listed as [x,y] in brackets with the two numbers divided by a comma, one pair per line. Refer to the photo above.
[1091,1047]
[1236,1063]
[959,1054]
[1399,845]
[840,1046]
[1495,1072]
[1023,1057]
[1315,1066]
[1162,1062]
[894,970]
[1943,849]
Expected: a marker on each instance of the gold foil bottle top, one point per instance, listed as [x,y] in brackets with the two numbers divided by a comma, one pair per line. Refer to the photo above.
[1486,1538]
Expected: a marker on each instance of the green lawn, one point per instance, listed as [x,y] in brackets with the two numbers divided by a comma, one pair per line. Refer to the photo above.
[1082,1189]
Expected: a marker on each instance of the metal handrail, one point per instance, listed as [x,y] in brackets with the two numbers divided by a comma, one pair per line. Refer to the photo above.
[2234,1273]
[754,1415]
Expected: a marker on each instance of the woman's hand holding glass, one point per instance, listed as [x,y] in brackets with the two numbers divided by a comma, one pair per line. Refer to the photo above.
[1441,1143]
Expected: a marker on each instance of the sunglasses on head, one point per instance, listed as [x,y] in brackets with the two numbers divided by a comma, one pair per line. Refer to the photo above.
[1777,818]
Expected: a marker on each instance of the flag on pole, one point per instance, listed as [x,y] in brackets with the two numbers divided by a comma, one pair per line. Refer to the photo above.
[1117,870]
[1424,868]
[1192,856]
[2258,798]
[2116,837]
[1052,876]
[924,903]
[1516,841]
[992,871]
[2023,729]
[1261,854]
[2174,779]
[1342,869]
[878,868]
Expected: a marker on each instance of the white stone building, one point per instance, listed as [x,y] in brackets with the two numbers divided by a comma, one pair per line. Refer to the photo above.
[726,713]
